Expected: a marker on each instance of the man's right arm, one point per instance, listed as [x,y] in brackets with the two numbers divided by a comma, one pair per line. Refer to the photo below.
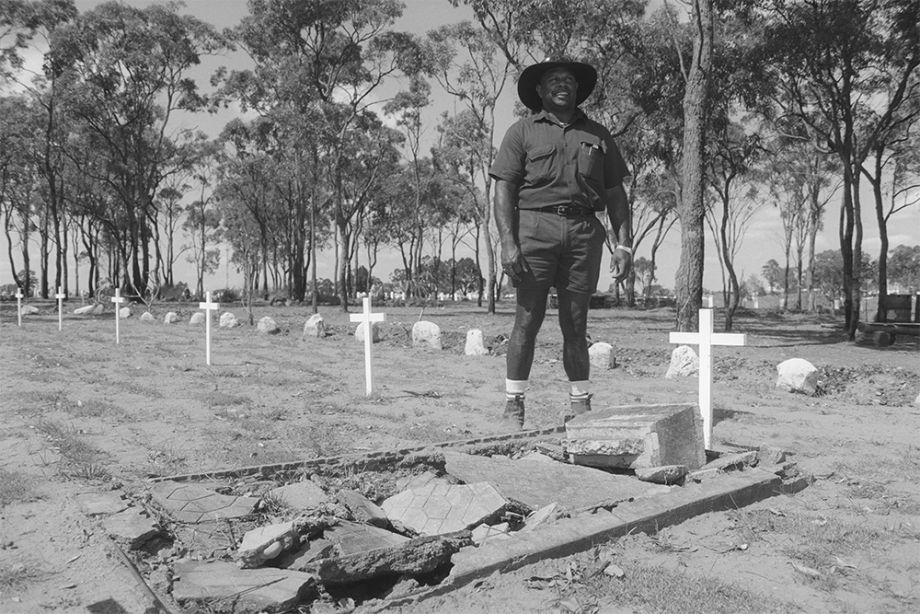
[506,198]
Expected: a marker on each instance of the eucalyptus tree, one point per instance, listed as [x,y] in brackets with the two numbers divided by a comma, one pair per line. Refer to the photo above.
[323,61]
[123,73]
[846,69]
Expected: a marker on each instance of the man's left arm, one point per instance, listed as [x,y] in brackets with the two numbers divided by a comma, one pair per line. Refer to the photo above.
[618,212]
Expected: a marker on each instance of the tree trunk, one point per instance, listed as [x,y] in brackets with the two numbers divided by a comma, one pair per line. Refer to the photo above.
[689,281]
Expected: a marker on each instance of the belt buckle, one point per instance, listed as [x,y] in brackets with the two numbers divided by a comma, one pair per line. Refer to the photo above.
[561,210]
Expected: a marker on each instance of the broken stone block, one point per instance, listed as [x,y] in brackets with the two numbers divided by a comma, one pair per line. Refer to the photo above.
[193,503]
[600,355]
[426,334]
[770,455]
[351,537]
[264,543]
[84,310]
[684,362]
[797,375]
[299,495]
[309,551]
[485,532]
[132,526]
[417,481]
[544,515]
[266,589]
[439,508]
[726,462]
[474,343]
[669,474]
[637,436]
[410,558]
[363,509]
[537,480]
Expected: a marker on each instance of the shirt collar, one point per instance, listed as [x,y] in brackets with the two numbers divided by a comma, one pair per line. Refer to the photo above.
[544,116]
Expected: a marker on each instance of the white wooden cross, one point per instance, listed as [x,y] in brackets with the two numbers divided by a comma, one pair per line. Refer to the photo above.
[60,296]
[706,339]
[208,307]
[118,299]
[367,318]
[19,306]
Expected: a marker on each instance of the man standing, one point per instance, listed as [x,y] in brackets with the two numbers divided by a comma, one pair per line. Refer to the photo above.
[554,171]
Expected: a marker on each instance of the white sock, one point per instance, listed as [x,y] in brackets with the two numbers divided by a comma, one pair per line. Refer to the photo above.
[515,387]
[580,389]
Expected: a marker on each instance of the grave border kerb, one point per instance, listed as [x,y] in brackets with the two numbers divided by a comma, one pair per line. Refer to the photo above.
[363,461]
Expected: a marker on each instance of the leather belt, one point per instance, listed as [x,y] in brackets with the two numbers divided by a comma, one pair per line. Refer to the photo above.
[568,210]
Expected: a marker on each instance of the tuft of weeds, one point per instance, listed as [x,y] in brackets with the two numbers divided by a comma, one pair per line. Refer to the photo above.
[13,488]
[78,459]
[17,575]
[95,408]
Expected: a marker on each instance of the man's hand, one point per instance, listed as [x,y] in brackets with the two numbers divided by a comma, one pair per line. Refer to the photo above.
[513,263]
[620,263]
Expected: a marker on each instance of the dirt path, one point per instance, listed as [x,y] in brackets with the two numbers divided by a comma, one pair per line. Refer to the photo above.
[80,414]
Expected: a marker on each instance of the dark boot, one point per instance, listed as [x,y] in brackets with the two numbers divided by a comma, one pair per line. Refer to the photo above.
[577,406]
[513,417]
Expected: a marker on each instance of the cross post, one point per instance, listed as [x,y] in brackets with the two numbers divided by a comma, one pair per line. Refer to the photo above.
[19,306]
[208,306]
[60,296]
[367,318]
[118,299]
[705,338]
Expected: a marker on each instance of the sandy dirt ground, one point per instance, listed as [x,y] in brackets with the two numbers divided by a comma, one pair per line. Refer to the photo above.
[80,414]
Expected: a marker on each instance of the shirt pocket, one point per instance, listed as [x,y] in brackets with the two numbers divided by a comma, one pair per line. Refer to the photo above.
[541,163]
[591,161]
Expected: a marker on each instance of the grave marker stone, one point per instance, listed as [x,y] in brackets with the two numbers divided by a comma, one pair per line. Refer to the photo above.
[118,299]
[705,339]
[208,307]
[60,296]
[367,319]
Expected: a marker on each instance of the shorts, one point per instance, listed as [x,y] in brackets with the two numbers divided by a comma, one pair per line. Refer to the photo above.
[561,252]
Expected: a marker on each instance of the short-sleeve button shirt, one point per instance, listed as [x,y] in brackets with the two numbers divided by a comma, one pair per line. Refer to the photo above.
[554,164]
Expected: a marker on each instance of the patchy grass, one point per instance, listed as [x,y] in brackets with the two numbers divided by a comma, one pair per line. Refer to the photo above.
[95,408]
[78,459]
[14,487]
[14,577]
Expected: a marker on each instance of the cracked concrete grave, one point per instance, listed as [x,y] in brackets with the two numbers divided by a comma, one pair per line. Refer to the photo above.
[400,527]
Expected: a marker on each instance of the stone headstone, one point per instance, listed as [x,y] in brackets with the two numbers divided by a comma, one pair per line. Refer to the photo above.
[315,326]
[797,375]
[84,310]
[147,317]
[438,508]
[29,310]
[197,319]
[228,320]
[250,590]
[426,334]
[124,313]
[268,326]
[171,318]
[537,480]
[637,436]
[601,356]
[684,362]
[360,332]
[474,343]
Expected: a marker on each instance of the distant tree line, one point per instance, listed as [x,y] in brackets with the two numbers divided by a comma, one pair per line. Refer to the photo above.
[721,109]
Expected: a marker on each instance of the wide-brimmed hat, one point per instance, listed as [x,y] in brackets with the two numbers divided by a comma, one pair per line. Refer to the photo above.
[530,78]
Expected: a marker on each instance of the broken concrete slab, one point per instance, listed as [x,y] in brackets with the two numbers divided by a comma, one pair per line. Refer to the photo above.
[668,434]
[669,474]
[484,532]
[544,515]
[571,535]
[726,462]
[265,543]
[300,495]
[131,526]
[309,552]
[413,557]
[193,504]
[439,508]
[265,589]
[416,481]
[537,482]
[363,509]
[101,503]
[353,537]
